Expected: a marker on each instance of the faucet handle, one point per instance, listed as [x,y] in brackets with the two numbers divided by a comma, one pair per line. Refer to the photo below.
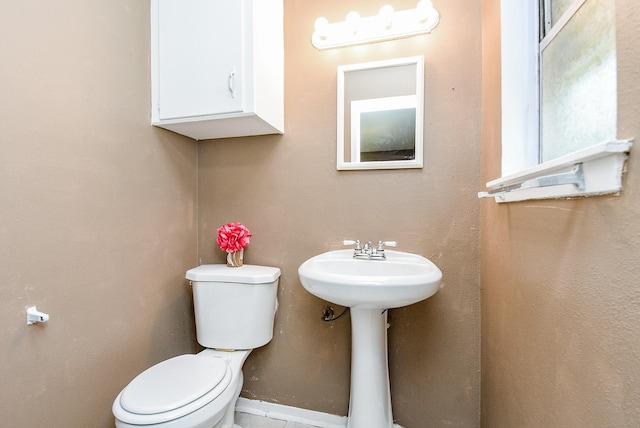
[352,242]
[381,244]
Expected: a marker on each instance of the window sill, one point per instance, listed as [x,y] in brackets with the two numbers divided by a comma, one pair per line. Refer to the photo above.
[596,170]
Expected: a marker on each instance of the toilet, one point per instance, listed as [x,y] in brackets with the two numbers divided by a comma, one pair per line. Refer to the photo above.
[234,313]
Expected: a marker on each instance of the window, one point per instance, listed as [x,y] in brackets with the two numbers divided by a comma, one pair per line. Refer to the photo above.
[559,100]
[578,100]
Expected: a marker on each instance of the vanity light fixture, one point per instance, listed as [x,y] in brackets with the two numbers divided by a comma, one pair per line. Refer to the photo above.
[386,25]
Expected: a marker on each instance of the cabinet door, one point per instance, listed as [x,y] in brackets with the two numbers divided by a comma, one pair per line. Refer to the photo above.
[199,57]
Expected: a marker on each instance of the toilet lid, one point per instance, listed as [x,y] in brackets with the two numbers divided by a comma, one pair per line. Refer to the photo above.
[174,383]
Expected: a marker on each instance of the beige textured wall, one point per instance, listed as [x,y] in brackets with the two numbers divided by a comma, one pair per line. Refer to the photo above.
[560,306]
[97,212]
[98,224]
[287,191]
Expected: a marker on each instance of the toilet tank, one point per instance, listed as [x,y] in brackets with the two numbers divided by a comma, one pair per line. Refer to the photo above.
[234,307]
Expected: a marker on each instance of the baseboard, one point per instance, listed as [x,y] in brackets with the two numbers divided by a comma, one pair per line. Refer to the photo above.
[292,414]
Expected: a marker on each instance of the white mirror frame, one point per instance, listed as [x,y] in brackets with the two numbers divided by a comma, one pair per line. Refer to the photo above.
[396,96]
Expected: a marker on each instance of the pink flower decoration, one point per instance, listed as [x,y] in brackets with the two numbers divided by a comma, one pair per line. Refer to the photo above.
[233,237]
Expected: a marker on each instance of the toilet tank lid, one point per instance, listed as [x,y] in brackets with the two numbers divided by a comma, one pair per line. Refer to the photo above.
[248,274]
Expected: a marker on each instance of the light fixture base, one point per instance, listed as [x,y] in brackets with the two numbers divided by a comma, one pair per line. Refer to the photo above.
[372,29]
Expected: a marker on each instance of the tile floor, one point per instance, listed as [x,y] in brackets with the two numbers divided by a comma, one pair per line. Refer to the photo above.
[246,420]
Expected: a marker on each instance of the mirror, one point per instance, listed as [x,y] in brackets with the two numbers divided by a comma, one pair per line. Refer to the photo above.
[380,114]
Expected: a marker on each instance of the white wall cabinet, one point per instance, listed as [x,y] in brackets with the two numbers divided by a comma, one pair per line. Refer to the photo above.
[217,67]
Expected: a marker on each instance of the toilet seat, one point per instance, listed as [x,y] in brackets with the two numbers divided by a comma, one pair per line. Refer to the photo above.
[172,389]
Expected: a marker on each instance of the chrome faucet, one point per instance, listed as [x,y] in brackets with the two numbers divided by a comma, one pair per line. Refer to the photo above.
[368,251]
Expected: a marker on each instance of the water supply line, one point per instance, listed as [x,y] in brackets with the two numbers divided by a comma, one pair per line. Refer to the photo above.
[328,314]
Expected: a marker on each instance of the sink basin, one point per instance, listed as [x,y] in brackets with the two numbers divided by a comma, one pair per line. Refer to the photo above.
[400,280]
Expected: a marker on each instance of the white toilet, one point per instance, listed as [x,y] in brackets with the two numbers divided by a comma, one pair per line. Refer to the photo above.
[234,310]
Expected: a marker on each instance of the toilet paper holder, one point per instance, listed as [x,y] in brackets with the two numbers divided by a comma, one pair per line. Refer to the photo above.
[34,315]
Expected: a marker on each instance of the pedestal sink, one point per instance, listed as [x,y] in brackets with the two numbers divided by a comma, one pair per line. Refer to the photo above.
[369,288]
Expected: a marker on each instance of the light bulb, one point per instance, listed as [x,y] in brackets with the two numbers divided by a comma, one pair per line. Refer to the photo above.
[353,21]
[321,26]
[386,15]
[424,9]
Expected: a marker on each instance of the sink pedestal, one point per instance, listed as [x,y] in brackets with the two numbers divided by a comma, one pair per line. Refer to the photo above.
[370,397]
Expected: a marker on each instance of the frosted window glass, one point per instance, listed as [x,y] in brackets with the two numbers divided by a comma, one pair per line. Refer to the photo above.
[578,84]
[558,7]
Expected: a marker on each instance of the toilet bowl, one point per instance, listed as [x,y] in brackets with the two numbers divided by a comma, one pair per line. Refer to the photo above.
[190,390]
[232,307]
